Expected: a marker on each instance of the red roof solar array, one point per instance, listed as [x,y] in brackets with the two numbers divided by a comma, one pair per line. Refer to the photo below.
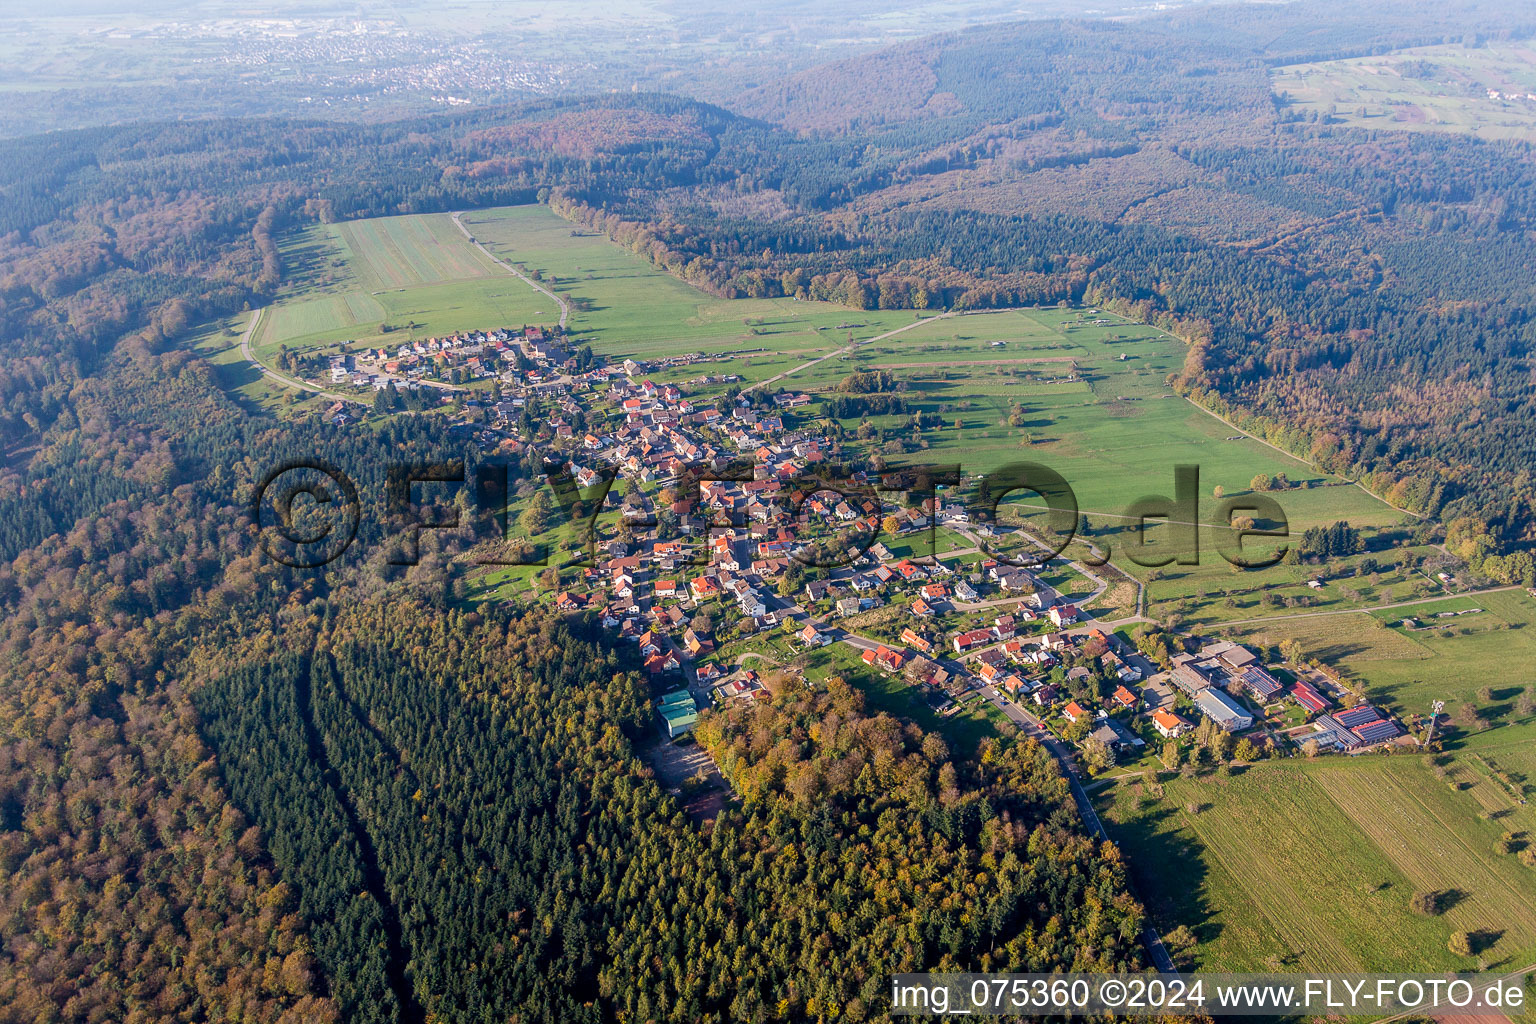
[1308,697]
[1355,717]
[1375,732]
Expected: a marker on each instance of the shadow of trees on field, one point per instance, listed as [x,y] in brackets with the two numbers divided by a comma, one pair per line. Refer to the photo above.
[1167,870]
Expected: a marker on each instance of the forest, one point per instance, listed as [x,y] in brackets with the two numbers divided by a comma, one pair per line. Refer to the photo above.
[233,790]
[230,790]
[473,841]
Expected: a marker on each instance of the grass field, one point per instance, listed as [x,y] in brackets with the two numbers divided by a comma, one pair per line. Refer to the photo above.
[627,308]
[1096,409]
[963,729]
[416,274]
[1431,88]
[1310,866]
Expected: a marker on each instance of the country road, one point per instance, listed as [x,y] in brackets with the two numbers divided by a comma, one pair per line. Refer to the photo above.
[1035,728]
[565,310]
[1359,611]
[273,375]
[844,350]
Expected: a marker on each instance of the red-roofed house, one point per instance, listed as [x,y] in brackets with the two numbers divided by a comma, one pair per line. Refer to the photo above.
[1063,615]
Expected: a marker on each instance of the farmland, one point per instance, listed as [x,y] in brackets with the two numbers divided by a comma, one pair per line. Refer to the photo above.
[389,280]
[1310,866]
[1431,88]
[625,307]
[1084,393]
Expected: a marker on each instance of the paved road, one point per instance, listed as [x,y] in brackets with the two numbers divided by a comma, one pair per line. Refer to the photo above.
[1035,729]
[565,310]
[273,375]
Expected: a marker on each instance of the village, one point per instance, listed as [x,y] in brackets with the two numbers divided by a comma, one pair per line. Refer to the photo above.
[790,556]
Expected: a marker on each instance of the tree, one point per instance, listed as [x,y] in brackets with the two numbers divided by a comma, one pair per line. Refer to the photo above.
[1461,943]
[1262,482]
[1426,902]
[1097,755]
[1179,940]
[1291,651]
[536,518]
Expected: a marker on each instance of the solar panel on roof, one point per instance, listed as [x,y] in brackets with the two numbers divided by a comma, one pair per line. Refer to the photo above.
[1357,716]
[1375,732]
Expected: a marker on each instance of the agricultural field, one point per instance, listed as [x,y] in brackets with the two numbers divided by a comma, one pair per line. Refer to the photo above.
[390,280]
[624,307]
[1084,393]
[1431,88]
[1310,866]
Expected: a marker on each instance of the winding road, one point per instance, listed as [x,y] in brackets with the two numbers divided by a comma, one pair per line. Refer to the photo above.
[565,309]
[273,375]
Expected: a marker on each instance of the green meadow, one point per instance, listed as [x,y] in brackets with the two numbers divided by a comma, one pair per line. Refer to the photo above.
[1084,393]
[388,280]
[1310,866]
[625,307]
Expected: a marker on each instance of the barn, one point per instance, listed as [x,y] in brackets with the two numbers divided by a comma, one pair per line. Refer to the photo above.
[1378,731]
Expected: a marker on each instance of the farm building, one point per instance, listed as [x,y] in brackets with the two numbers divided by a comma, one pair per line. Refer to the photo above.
[1222,710]
[1378,731]
[1308,697]
[1260,683]
[1190,679]
[1361,714]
